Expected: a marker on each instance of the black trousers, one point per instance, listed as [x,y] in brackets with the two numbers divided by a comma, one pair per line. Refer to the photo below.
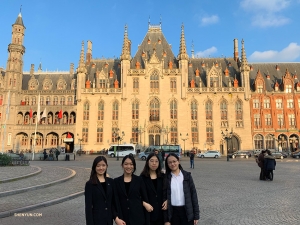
[157,223]
[262,175]
[270,174]
[179,216]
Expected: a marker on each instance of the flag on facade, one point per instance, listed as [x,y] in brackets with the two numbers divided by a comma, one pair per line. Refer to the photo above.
[69,135]
[60,114]
[44,115]
[38,114]
[30,113]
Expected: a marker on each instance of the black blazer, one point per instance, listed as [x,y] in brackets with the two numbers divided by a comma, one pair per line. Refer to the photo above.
[131,205]
[156,197]
[100,207]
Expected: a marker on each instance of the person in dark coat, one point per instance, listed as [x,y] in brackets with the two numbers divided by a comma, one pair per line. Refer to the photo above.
[269,165]
[45,154]
[192,156]
[101,203]
[57,152]
[260,161]
[183,207]
[132,193]
[154,180]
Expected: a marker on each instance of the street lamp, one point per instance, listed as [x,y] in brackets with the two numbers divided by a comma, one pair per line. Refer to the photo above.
[227,136]
[184,139]
[79,140]
[119,138]
[141,130]
[166,131]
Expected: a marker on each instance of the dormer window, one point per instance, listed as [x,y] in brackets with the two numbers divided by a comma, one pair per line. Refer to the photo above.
[259,89]
[288,88]
[60,85]
[47,85]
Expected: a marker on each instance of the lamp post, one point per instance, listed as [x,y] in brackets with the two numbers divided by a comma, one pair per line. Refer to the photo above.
[227,136]
[184,139]
[119,138]
[79,140]
[141,130]
[166,131]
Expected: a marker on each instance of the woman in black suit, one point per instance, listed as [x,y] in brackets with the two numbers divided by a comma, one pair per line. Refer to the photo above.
[131,194]
[157,194]
[101,205]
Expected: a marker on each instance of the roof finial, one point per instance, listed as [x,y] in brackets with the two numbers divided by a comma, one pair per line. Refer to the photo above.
[21,9]
[182,48]
[160,19]
[149,22]
[193,49]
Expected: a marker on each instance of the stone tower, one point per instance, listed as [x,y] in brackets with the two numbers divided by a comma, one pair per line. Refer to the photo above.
[245,72]
[125,63]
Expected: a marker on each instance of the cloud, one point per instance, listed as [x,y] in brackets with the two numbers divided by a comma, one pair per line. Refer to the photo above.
[265,5]
[207,52]
[266,13]
[290,53]
[207,20]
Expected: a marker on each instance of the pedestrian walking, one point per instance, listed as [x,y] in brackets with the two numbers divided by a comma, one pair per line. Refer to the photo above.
[156,192]
[260,162]
[183,207]
[57,153]
[192,156]
[269,164]
[45,154]
[101,203]
[132,193]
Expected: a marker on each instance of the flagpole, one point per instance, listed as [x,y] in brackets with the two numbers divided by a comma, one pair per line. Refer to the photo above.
[36,123]
[6,118]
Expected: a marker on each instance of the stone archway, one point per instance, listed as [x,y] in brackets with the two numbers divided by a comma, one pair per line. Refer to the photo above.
[233,144]
[294,142]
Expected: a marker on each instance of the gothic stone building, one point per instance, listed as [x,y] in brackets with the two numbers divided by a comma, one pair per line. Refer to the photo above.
[154,97]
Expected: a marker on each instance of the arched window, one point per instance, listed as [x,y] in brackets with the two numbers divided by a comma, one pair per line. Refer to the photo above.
[99,134]
[55,100]
[208,110]
[115,114]
[239,114]
[270,142]
[101,110]
[194,110]
[33,100]
[24,140]
[135,110]
[48,100]
[85,134]
[194,135]
[41,100]
[70,99]
[258,141]
[154,110]
[62,100]
[86,111]
[134,135]
[173,109]
[174,135]
[154,82]
[224,117]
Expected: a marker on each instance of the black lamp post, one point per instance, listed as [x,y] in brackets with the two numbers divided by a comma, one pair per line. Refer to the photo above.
[184,139]
[80,140]
[227,136]
[119,138]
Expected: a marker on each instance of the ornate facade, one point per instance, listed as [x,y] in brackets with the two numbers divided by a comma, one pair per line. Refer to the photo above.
[153,97]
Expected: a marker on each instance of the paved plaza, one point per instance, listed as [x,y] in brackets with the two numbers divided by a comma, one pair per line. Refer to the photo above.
[228,192]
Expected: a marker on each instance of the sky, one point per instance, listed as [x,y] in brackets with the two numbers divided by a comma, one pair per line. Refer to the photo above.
[56,28]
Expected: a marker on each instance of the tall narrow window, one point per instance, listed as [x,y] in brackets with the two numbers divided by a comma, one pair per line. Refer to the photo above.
[135,110]
[173,85]
[154,82]
[290,103]
[194,110]
[268,120]
[256,104]
[102,83]
[115,113]
[48,100]
[33,100]
[223,111]
[270,142]
[114,134]
[208,110]
[62,100]
[174,135]
[27,100]
[292,122]
[239,114]
[194,135]
[173,110]
[288,88]
[41,100]
[99,134]
[154,110]
[258,141]
[257,120]
[136,85]
[70,100]
[86,111]
[85,134]
[278,103]
[209,135]
[280,120]
[55,100]
[266,103]
[101,110]
[135,135]
[24,140]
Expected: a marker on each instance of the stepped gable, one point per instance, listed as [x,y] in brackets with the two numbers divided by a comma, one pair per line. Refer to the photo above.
[154,39]
[103,67]
[53,76]
[275,70]
[223,63]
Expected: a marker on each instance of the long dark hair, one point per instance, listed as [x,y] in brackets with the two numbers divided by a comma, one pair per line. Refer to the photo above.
[146,170]
[93,176]
[168,170]
[130,156]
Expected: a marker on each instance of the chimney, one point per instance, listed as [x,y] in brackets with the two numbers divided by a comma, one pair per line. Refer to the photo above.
[32,69]
[89,52]
[236,50]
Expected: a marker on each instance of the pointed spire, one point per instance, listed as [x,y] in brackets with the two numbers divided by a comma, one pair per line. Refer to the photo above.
[193,50]
[40,67]
[81,66]
[126,46]
[244,62]
[182,48]
[19,20]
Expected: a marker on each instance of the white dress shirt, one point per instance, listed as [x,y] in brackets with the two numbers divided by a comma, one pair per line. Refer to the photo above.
[177,194]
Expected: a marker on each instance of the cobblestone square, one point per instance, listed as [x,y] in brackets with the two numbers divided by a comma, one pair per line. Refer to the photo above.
[228,193]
